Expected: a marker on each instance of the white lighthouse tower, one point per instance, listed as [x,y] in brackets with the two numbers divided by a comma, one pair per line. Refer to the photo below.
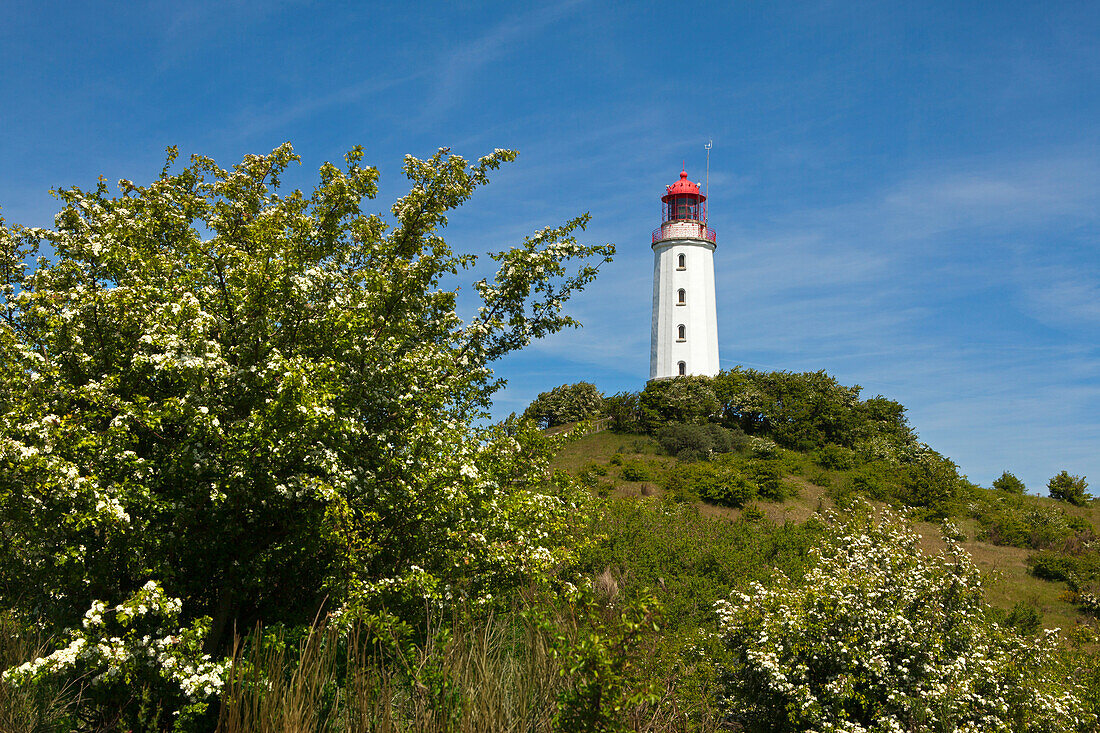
[685,322]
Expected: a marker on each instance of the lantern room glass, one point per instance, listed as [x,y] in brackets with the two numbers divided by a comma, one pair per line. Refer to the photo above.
[685,208]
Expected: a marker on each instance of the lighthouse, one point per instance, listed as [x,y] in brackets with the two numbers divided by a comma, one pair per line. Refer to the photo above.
[684,338]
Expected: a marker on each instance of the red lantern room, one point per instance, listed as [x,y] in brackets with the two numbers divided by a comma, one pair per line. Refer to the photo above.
[683,202]
[683,213]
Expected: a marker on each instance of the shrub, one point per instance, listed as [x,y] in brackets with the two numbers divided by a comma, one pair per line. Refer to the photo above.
[1008,482]
[722,438]
[679,487]
[267,400]
[753,513]
[590,473]
[1001,521]
[1025,618]
[739,441]
[138,645]
[734,490]
[881,637]
[1047,526]
[871,480]
[624,412]
[684,399]
[635,471]
[819,477]
[763,448]
[690,455]
[718,483]
[768,477]
[932,484]
[680,438]
[835,457]
[604,664]
[1079,525]
[1049,565]
[1064,487]
[952,531]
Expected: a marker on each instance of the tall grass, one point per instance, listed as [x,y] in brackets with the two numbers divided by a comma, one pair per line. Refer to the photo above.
[491,676]
[26,710]
[499,674]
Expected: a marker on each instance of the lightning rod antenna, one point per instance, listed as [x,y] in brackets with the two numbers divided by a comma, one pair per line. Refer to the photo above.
[708,146]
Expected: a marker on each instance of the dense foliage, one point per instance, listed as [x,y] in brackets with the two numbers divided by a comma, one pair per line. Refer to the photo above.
[266,403]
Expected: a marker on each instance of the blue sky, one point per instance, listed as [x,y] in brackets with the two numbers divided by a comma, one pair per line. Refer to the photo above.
[905,194]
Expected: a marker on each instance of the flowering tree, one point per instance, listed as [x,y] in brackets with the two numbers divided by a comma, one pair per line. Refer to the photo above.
[263,400]
[880,637]
[566,403]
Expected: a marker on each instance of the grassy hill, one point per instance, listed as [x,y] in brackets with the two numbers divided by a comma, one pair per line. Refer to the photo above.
[633,466]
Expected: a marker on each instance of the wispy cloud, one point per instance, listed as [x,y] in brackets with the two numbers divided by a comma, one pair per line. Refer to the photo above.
[460,64]
[277,116]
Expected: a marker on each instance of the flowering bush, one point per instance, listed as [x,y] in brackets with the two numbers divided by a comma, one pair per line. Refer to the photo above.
[880,637]
[136,645]
[267,401]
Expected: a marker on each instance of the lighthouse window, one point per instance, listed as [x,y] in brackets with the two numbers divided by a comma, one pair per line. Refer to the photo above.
[682,332]
[683,368]
[681,262]
[681,296]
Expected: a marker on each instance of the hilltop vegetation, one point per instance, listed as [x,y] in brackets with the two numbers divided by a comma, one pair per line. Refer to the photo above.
[814,445]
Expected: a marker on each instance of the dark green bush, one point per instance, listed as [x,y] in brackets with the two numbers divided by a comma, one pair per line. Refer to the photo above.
[719,483]
[1079,525]
[624,412]
[932,484]
[690,455]
[768,477]
[678,438]
[636,471]
[1049,565]
[819,477]
[590,473]
[724,439]
[753,513]
[1005,527]
[872,480]
[735,491]
[835,457]
[1064,487]
[1024,618]
[1008,482]
[679,487]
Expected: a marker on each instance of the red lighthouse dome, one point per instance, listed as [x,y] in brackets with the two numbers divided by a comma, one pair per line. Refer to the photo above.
[682,201]
[683,212]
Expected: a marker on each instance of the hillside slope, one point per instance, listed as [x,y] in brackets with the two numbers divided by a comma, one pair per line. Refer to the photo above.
[635,466]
